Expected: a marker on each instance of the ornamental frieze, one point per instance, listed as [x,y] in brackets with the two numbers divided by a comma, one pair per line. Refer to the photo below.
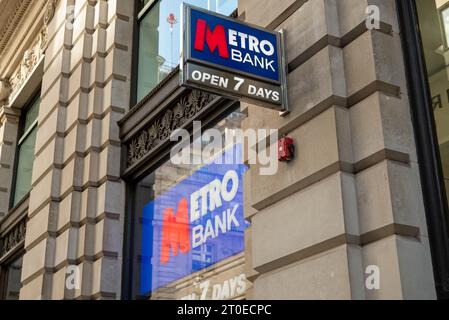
[161,128]
[33,54]
[13,238]
[30,60]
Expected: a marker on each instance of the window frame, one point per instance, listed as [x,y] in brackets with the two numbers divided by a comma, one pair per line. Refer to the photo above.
[143,10]
[427,146]
[442,28]
[21,137]
[140,12]
[4,271]
[216,111]
[209,120]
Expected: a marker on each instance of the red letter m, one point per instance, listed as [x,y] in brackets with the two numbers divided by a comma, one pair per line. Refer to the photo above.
[175,231]
[214,39]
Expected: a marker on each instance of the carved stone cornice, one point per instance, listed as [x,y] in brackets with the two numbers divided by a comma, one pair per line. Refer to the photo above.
[159,130]
[13,238]
[14,19]
[10,27]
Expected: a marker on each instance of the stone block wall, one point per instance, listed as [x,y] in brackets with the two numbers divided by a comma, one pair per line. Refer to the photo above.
[351,198]
[76,206]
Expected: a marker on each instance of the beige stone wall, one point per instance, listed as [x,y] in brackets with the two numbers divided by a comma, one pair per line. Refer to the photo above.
[76,206]
[21,34]
[352,196]
[21,51]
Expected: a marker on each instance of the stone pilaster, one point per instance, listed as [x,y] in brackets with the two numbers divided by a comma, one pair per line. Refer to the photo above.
[352,196]
[77,202]
[9,120]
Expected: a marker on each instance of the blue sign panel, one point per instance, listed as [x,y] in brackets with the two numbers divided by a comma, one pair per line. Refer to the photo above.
[194,224]
[227,43]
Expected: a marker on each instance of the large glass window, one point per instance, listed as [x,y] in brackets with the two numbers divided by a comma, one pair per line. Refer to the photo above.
[159,37]
[25,154]
[188,229]
[434,24]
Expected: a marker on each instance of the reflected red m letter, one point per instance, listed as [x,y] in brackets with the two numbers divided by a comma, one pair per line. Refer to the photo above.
[175,231]
[214,39]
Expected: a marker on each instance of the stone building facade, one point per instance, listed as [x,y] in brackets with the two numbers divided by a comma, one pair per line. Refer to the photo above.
[351,199]
[75,208]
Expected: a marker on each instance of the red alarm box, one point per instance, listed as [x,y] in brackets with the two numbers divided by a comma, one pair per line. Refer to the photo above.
[286,149]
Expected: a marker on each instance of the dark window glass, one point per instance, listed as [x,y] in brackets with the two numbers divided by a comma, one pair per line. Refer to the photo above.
[13,273]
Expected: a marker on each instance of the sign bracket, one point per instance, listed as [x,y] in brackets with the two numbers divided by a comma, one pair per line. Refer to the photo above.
[233,59]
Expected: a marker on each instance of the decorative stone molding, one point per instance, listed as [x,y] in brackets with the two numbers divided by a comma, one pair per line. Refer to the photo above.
[48,16]
[50,11]
[13,238]
[161,128]
[30,59]
[9,28]
[31,56]
[5,90]
[9,114]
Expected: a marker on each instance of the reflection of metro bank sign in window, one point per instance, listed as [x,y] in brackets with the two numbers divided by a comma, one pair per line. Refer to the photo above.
[193,225]
[230,57]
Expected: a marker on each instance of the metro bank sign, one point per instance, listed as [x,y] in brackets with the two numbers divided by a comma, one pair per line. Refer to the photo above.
[234,59]
[194,224]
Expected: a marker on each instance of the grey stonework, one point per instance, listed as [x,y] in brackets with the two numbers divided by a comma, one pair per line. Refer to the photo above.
[352,196]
